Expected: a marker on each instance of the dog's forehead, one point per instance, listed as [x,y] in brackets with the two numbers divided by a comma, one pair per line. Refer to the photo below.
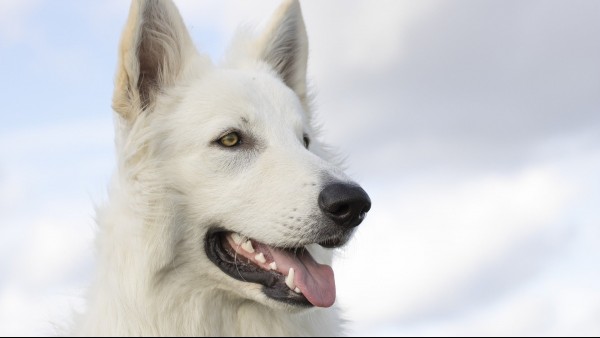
[250,98]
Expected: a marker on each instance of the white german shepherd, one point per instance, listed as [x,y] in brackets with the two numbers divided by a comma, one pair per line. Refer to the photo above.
[225,208]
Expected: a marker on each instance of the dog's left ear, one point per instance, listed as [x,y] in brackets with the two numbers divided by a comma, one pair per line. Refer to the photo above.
[284,46]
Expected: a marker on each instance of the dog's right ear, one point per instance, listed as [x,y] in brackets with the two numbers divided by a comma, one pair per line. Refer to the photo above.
[155,47]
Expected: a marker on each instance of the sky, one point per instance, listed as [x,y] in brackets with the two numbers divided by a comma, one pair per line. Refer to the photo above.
[473,125]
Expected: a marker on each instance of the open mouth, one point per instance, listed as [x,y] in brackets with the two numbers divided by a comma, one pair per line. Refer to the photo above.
[289,275]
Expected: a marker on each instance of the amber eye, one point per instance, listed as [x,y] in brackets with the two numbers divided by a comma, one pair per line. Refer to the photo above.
[306,141]
[230,140]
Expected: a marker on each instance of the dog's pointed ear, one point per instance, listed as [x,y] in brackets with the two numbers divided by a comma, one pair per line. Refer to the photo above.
[284,46]
[155,46]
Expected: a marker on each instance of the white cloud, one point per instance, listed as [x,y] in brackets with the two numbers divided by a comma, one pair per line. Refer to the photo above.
[49,254]
[488,255]
[421,239]
[50,175]
[461,86]
[361,36]
[14,18]
[25,312]
[56,246]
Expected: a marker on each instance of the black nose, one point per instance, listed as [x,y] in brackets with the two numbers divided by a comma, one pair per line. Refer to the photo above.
[346,204]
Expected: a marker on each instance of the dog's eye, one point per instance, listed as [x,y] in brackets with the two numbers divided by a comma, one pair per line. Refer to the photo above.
[306,141]
[230,140]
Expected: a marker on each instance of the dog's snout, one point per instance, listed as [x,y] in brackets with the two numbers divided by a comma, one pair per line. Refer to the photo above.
[345,204]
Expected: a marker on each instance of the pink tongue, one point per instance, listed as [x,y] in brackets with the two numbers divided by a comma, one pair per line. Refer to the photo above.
[315,280]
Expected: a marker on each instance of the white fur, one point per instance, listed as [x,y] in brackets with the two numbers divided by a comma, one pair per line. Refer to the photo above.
[173,182]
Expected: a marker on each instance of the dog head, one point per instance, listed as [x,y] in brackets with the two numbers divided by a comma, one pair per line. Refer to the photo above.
[227,157]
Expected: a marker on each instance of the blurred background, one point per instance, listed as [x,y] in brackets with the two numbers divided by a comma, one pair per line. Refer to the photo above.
[474,126]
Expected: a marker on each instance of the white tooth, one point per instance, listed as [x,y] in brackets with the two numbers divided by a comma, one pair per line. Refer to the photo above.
[260,258]
[289,280]
[247,246]
[296,290]
[237,238]
[273,266]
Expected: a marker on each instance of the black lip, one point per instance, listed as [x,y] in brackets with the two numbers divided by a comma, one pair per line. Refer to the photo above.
[273,282]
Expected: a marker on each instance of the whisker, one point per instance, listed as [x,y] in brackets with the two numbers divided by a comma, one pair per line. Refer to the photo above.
[235,261]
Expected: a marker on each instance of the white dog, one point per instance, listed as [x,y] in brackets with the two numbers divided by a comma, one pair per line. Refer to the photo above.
[225,208]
